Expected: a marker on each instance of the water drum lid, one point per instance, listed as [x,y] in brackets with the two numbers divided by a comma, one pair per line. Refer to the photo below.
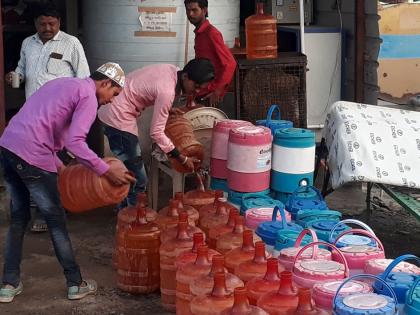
[294,133]
[364,301]
[251,131]
[307,254]
[330,287]
[354,240]
[308,204]
[327,225]
[224,125]
[403,266]
[268,230]
[321,266]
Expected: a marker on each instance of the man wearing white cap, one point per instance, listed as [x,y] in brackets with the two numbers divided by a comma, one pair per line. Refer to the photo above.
[157,86]
[59,114]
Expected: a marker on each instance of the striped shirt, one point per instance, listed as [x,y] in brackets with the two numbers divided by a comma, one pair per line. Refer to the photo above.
[62,56]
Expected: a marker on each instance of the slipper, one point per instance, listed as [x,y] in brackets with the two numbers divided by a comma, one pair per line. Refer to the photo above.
[8,292]
[39,225]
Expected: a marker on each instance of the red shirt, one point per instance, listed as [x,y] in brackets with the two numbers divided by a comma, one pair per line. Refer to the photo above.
[209,44]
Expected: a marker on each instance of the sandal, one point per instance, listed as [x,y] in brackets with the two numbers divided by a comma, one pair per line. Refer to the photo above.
[39,225]
[79,292]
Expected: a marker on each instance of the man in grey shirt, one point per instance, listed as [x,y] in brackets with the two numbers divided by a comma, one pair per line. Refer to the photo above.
[47,55]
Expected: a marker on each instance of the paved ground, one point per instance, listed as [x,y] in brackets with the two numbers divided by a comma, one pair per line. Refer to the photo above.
[92,235]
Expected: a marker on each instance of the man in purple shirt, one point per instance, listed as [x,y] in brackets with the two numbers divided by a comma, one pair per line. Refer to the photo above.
[59,114]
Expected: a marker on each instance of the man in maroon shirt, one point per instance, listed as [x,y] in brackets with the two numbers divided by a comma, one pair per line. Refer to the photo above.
[209,44]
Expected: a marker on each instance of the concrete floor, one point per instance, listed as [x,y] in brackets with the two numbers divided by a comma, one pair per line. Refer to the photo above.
[93,234]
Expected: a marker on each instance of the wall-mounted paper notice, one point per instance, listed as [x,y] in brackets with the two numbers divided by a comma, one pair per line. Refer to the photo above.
[156,21]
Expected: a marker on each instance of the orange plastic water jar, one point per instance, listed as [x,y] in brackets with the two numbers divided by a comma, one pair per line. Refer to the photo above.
[261,35]
[211,208]
[198,198]
[138,258]
[168,216]
[216,231]
[193,213]
[284,301]
[241,254]
[169,251]
[220,216]
[306,306]
[257,287]
[204,284]
[233,239]
[257,267]
[219,300]
[171,232]
[241,305]
[188,273]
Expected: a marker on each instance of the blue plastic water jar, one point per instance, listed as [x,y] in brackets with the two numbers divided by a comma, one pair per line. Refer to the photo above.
[268,231]
[412,304]
[305,197]
[258,201]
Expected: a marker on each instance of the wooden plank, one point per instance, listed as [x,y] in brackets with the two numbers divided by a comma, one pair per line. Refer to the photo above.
[154,34]
[407,202]
[158,9]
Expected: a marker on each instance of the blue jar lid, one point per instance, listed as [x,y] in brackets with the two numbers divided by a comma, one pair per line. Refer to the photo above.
[268,231]
[400,282]
[364,303]
[287,238]
[327,225]
[294,133]
[307,204]
[236,197]
[275,125]
[310,216]
[258,201]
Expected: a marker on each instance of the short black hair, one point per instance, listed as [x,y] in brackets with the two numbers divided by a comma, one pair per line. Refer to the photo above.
[201,3]
[46,10]
[98,76]
[199,70]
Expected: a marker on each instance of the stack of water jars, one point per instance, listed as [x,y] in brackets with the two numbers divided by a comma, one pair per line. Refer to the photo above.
[219,151]
[249,159]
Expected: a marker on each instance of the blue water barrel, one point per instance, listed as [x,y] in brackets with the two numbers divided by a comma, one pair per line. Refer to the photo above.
[219,184]
[412,304]
[400,282]
[276,123]
[365,303]
[235,197]
[250,201]
[293,159]
[268,231]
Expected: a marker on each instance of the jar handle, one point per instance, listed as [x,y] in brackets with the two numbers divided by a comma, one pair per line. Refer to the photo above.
[273,108]
[343,259]
[411,292]
[363,232]
[276,210]
[314,239]
[395,262]
[356,222]
[370,277]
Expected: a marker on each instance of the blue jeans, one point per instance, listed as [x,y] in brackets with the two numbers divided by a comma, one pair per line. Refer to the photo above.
[126,148]
[24,180]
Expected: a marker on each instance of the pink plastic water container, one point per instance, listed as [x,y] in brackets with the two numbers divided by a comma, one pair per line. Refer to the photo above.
[219,145]
[307,272]
[323,292]
[287,255]
[249,159]
[255,216]
[378,266]
[358,255]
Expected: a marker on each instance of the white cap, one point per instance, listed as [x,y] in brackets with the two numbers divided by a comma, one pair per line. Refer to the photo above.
[113,71]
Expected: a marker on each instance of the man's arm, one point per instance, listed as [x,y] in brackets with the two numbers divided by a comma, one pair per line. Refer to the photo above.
[78,60]
[83,117]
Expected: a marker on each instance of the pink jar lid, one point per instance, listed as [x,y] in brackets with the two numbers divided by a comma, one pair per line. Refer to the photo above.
[360,250]
[291,252]
[377,266]
[319,268]
[250,135]
[225,125]
[329,288]
[255,216]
